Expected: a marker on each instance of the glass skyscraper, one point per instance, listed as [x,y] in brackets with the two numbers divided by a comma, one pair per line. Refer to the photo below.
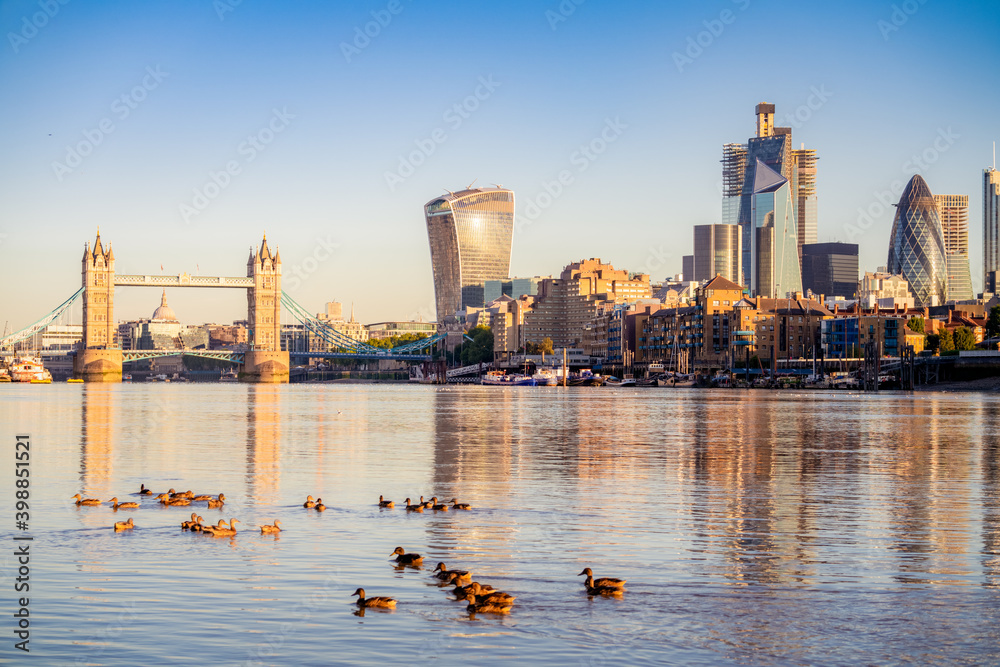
[775,239]
[916,244]
[470,234]
[991,228]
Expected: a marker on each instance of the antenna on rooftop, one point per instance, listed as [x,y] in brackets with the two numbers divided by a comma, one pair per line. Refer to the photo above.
[448,191]
[471,184]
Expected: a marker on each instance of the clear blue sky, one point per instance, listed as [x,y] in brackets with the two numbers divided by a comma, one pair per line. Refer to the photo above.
[889,90]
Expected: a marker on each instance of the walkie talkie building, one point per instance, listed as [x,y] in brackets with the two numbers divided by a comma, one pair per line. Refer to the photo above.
[470,234]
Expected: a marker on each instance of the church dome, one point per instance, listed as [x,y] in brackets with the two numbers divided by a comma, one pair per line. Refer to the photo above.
[164,312]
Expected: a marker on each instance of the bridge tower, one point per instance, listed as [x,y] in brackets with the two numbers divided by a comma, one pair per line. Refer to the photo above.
[98,359]
[264,361]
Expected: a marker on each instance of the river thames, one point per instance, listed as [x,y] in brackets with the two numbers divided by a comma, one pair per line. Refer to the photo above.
[754,528]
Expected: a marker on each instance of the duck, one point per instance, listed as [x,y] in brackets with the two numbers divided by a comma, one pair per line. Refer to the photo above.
[211,529]
[177,502]
[309,503]
[438,507]
[387,603]
[124,525]
[444,574]
[143,491]
[404,558]
[487,606]
[201,498]
[426,504]
[226,532]
[197,527]
[414,508]
[455,505]
[122,506]
[484,594]
[319,505]
[271,529]
[601,590]
[184,494]
[85,501]
[385,503]
[603,581]
[186,525]
[461,591]
[217,502]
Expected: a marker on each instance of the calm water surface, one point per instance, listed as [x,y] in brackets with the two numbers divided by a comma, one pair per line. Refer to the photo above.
[760,528]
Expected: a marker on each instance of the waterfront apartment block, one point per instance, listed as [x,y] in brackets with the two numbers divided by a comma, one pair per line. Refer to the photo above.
[694,336]
[505,317]
[566,305]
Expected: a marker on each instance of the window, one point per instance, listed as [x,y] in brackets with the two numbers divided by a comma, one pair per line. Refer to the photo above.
[715,303]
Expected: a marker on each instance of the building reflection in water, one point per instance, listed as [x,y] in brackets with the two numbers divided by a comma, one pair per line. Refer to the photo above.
[263,449]
[477,454]
[97,443]
[990,458]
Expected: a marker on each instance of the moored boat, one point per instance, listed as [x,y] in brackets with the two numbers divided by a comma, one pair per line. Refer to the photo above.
[499,378]
[29,369]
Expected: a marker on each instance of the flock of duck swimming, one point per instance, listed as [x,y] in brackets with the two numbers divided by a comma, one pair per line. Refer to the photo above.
[482,598]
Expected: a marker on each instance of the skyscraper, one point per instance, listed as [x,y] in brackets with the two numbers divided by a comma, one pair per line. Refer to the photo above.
[916,244]
[830,268]
[954,212]
[991,228]
[775,271]
[805,172]
[734,166]
[716,252]
[470,234]
[772,147]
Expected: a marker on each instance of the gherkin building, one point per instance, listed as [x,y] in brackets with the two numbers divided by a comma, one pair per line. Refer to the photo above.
[916,244]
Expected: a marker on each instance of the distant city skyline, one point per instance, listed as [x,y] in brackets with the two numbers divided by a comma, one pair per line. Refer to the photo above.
[607,124]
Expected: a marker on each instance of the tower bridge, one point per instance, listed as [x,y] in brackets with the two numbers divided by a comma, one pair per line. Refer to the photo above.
[99,359]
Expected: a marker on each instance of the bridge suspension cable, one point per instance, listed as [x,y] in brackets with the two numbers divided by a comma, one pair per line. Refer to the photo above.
[8,342]
[345,342]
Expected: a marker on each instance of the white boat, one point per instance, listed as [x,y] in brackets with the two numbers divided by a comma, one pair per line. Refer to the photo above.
[29,369]
[228,375]
[499,378]
[545,377]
